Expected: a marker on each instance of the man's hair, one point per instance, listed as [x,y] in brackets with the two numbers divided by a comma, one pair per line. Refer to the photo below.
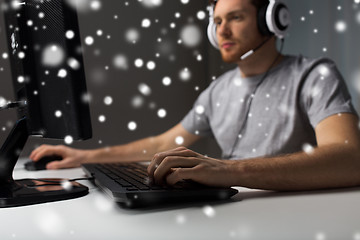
[257,3]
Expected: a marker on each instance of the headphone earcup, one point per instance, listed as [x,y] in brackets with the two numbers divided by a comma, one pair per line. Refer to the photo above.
[277,18]
[261,22]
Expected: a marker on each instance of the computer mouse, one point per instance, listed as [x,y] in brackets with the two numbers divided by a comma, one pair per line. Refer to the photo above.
[41,164]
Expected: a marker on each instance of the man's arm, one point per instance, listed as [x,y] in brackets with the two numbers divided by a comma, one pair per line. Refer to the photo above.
[334,163]
[143,149]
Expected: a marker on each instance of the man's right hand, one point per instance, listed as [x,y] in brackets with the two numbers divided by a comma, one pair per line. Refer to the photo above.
[71,157]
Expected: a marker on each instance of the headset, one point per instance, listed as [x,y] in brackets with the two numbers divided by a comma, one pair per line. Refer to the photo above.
[273,19]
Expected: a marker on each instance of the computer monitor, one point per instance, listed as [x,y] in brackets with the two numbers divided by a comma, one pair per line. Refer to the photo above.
[47,69]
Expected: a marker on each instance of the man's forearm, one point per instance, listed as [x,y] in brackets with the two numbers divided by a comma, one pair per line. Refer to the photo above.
[139,150]
[326,167]
[143,149]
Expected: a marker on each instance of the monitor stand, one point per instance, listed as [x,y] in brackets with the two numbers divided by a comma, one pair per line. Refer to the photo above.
[29,191]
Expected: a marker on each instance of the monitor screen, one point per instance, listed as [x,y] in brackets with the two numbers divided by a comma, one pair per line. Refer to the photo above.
[47,67]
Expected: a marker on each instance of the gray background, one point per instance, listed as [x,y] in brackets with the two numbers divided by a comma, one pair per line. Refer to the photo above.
[115,17]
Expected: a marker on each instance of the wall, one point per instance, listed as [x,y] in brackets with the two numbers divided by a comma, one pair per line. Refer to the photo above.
[329,29]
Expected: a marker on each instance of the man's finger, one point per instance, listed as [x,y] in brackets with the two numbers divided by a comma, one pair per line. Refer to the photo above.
[37,150]
[159,157]
[59,165]
[47,151]
[171,162]
[180,174]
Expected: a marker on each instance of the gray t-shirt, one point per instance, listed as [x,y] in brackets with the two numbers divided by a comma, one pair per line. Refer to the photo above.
[271,114]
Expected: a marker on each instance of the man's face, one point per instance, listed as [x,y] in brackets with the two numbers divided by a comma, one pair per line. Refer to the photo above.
[236,30]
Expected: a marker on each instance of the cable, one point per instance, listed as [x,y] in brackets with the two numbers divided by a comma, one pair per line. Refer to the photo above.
[66,180]
[9,105]
[253,95]
[55,182]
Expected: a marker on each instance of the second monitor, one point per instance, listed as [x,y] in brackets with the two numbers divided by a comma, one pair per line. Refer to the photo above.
[48,76]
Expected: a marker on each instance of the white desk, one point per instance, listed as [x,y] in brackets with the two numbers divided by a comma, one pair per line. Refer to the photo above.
[254,214]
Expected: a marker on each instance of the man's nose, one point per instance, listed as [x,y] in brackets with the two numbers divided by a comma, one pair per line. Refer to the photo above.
[223,29]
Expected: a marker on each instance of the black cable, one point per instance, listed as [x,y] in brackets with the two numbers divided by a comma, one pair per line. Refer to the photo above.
[10,105]
[55,182]
[249,103]
[62,180]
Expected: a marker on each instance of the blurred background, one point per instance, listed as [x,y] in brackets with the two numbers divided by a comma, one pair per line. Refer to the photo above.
[146,61]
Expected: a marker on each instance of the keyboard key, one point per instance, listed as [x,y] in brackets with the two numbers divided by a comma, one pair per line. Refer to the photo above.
[124,183]
[131,176]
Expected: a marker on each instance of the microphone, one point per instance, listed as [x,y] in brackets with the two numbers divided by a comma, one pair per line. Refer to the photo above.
[249,53]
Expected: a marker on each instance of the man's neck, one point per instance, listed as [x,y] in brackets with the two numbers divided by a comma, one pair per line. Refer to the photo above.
[261,61]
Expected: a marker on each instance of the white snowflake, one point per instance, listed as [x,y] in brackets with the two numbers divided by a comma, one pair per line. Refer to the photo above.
[308,148]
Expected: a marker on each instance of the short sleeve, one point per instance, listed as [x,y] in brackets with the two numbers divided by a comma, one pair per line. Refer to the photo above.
[197,119]
[324,92]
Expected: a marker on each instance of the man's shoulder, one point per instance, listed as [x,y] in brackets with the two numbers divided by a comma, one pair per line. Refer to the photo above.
[306,63]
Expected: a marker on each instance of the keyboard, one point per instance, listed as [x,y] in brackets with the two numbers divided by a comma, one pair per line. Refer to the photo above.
[132,176]
[129,185]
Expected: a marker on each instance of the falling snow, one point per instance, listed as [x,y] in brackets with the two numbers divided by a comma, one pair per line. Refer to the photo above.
[21,55]
[308,148]
[62,73]
[191,35]
[95,5]
[89,40]
[144,89]
[2,101]
[180,219]
[161,113]
[120,61]
[73,63]
[68,140]
[58,113]
[151,3]
[151,65]
[199,109]
[166,81]
[70,34]
[66,185]
[132,35]
[21,79]
[209,211]
[146,23]
[103,204]
[179,140]
[137,101]
[185,74]
[340,26]
[320,236]
[50,222]
[108,100]
[201,15]
[102,118]
[132,126]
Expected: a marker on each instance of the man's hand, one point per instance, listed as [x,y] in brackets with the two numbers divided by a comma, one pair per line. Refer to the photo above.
[70,157]
[183,164]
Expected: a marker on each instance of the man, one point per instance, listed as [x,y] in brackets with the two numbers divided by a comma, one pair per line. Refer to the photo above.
[262,114]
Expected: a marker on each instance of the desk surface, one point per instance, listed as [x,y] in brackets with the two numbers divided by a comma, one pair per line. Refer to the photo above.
[253,214]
